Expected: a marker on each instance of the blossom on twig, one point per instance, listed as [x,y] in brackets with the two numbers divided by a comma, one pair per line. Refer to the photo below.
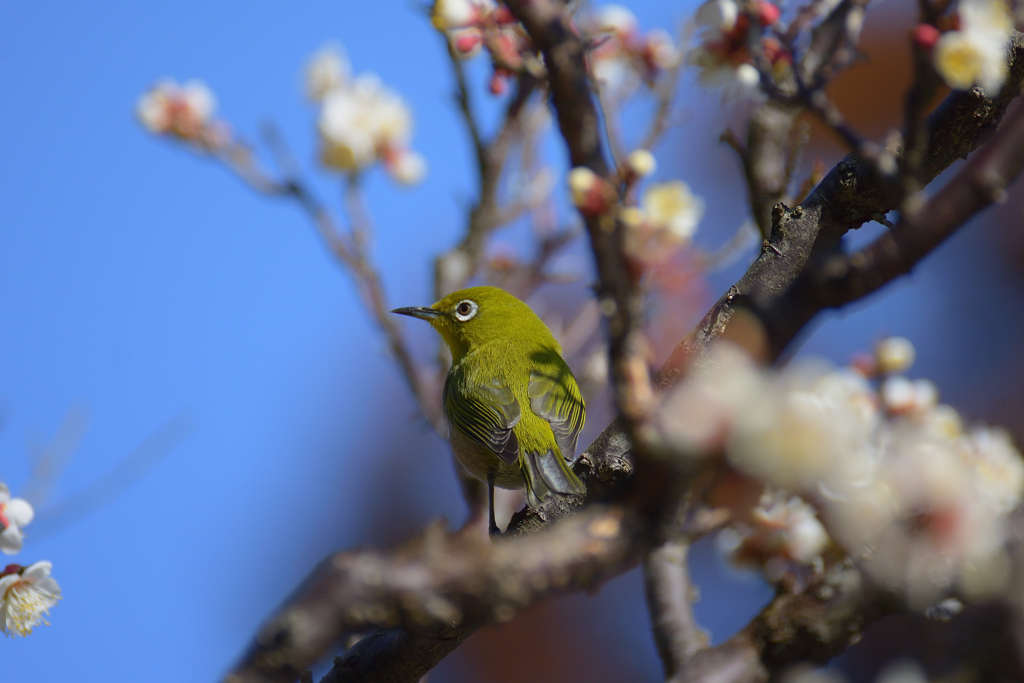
[621,56]
[26,596]
[918,502]
[362,121]
[975,54]
[184,112]
[326,71]
[723,58]
[15,515]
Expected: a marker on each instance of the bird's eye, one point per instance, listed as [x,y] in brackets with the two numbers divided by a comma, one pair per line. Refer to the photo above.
[465,310]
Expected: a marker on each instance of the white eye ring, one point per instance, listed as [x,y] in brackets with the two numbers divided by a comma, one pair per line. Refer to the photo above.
[465,310]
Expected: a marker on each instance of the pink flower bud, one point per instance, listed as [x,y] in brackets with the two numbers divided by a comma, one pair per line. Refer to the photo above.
[502,16]
[926,35]
[467,41]
[591,194]
[767,13]
[499,83]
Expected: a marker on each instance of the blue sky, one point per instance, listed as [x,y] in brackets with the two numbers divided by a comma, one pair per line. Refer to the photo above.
[141,285]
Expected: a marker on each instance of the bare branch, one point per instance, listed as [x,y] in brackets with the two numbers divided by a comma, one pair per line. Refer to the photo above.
[670,597]
[840,280]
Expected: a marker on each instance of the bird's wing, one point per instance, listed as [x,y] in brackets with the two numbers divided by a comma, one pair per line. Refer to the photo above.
[485,414]
[555,396]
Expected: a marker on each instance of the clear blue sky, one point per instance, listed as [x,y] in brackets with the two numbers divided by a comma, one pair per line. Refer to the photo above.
[139,283]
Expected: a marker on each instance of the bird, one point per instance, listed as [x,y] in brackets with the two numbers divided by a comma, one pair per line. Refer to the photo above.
[513,408]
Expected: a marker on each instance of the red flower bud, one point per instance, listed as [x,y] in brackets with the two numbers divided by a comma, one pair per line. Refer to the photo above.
[499,83]
[502,16]
[767,13]
[926,35]
[468,41]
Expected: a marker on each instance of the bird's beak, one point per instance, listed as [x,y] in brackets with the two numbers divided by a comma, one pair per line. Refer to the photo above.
[420,312]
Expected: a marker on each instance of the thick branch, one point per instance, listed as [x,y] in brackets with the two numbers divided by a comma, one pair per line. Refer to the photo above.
[813,625]
[840,280]
[850,195]
[439,581]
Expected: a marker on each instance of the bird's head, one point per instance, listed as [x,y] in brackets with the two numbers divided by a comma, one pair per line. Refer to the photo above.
[471,317]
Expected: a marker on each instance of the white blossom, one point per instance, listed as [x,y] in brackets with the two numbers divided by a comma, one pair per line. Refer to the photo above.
[327,70]
[717,16]
[641,163]
[976,53]
[26,596]
[361,123]
[452,14]
[921,505]
[614,19]
[672,206]
[407,167]
[181,110]
[894,354]
[15,515]
[781,527]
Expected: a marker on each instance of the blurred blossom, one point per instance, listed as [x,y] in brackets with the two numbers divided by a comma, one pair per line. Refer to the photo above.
[641,163]
[26,596]
[723,57]
[894,354]
[781,528]
[15,515]
[591,194]
[406,166]
[453,14]
[975,54]
[674,208]
[622,57]
[362,122]
[182,111]
[920,504]
[327,70]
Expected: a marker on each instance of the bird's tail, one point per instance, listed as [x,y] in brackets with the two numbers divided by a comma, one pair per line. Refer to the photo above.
[548,473]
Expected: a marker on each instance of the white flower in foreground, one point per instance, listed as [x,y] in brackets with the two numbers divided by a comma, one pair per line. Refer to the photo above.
[15,515]
[782,527]
[998,467]
[327,70]
[673,207]
[181,110]
[976,53]
[26,596]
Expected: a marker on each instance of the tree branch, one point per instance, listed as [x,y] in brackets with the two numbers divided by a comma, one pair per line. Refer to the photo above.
[670,597]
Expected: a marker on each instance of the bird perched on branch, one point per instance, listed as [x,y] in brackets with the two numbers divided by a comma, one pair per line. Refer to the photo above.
[514,410]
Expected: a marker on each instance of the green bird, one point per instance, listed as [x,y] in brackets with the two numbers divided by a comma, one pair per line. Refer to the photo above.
[513,407]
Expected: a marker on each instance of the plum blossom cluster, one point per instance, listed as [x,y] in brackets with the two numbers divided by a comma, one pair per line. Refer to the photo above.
[26,593]
[723,57]
[665,219]
[974,51]
[362,121]
[473,26]
[917,499]
[184,112]
[622,56]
